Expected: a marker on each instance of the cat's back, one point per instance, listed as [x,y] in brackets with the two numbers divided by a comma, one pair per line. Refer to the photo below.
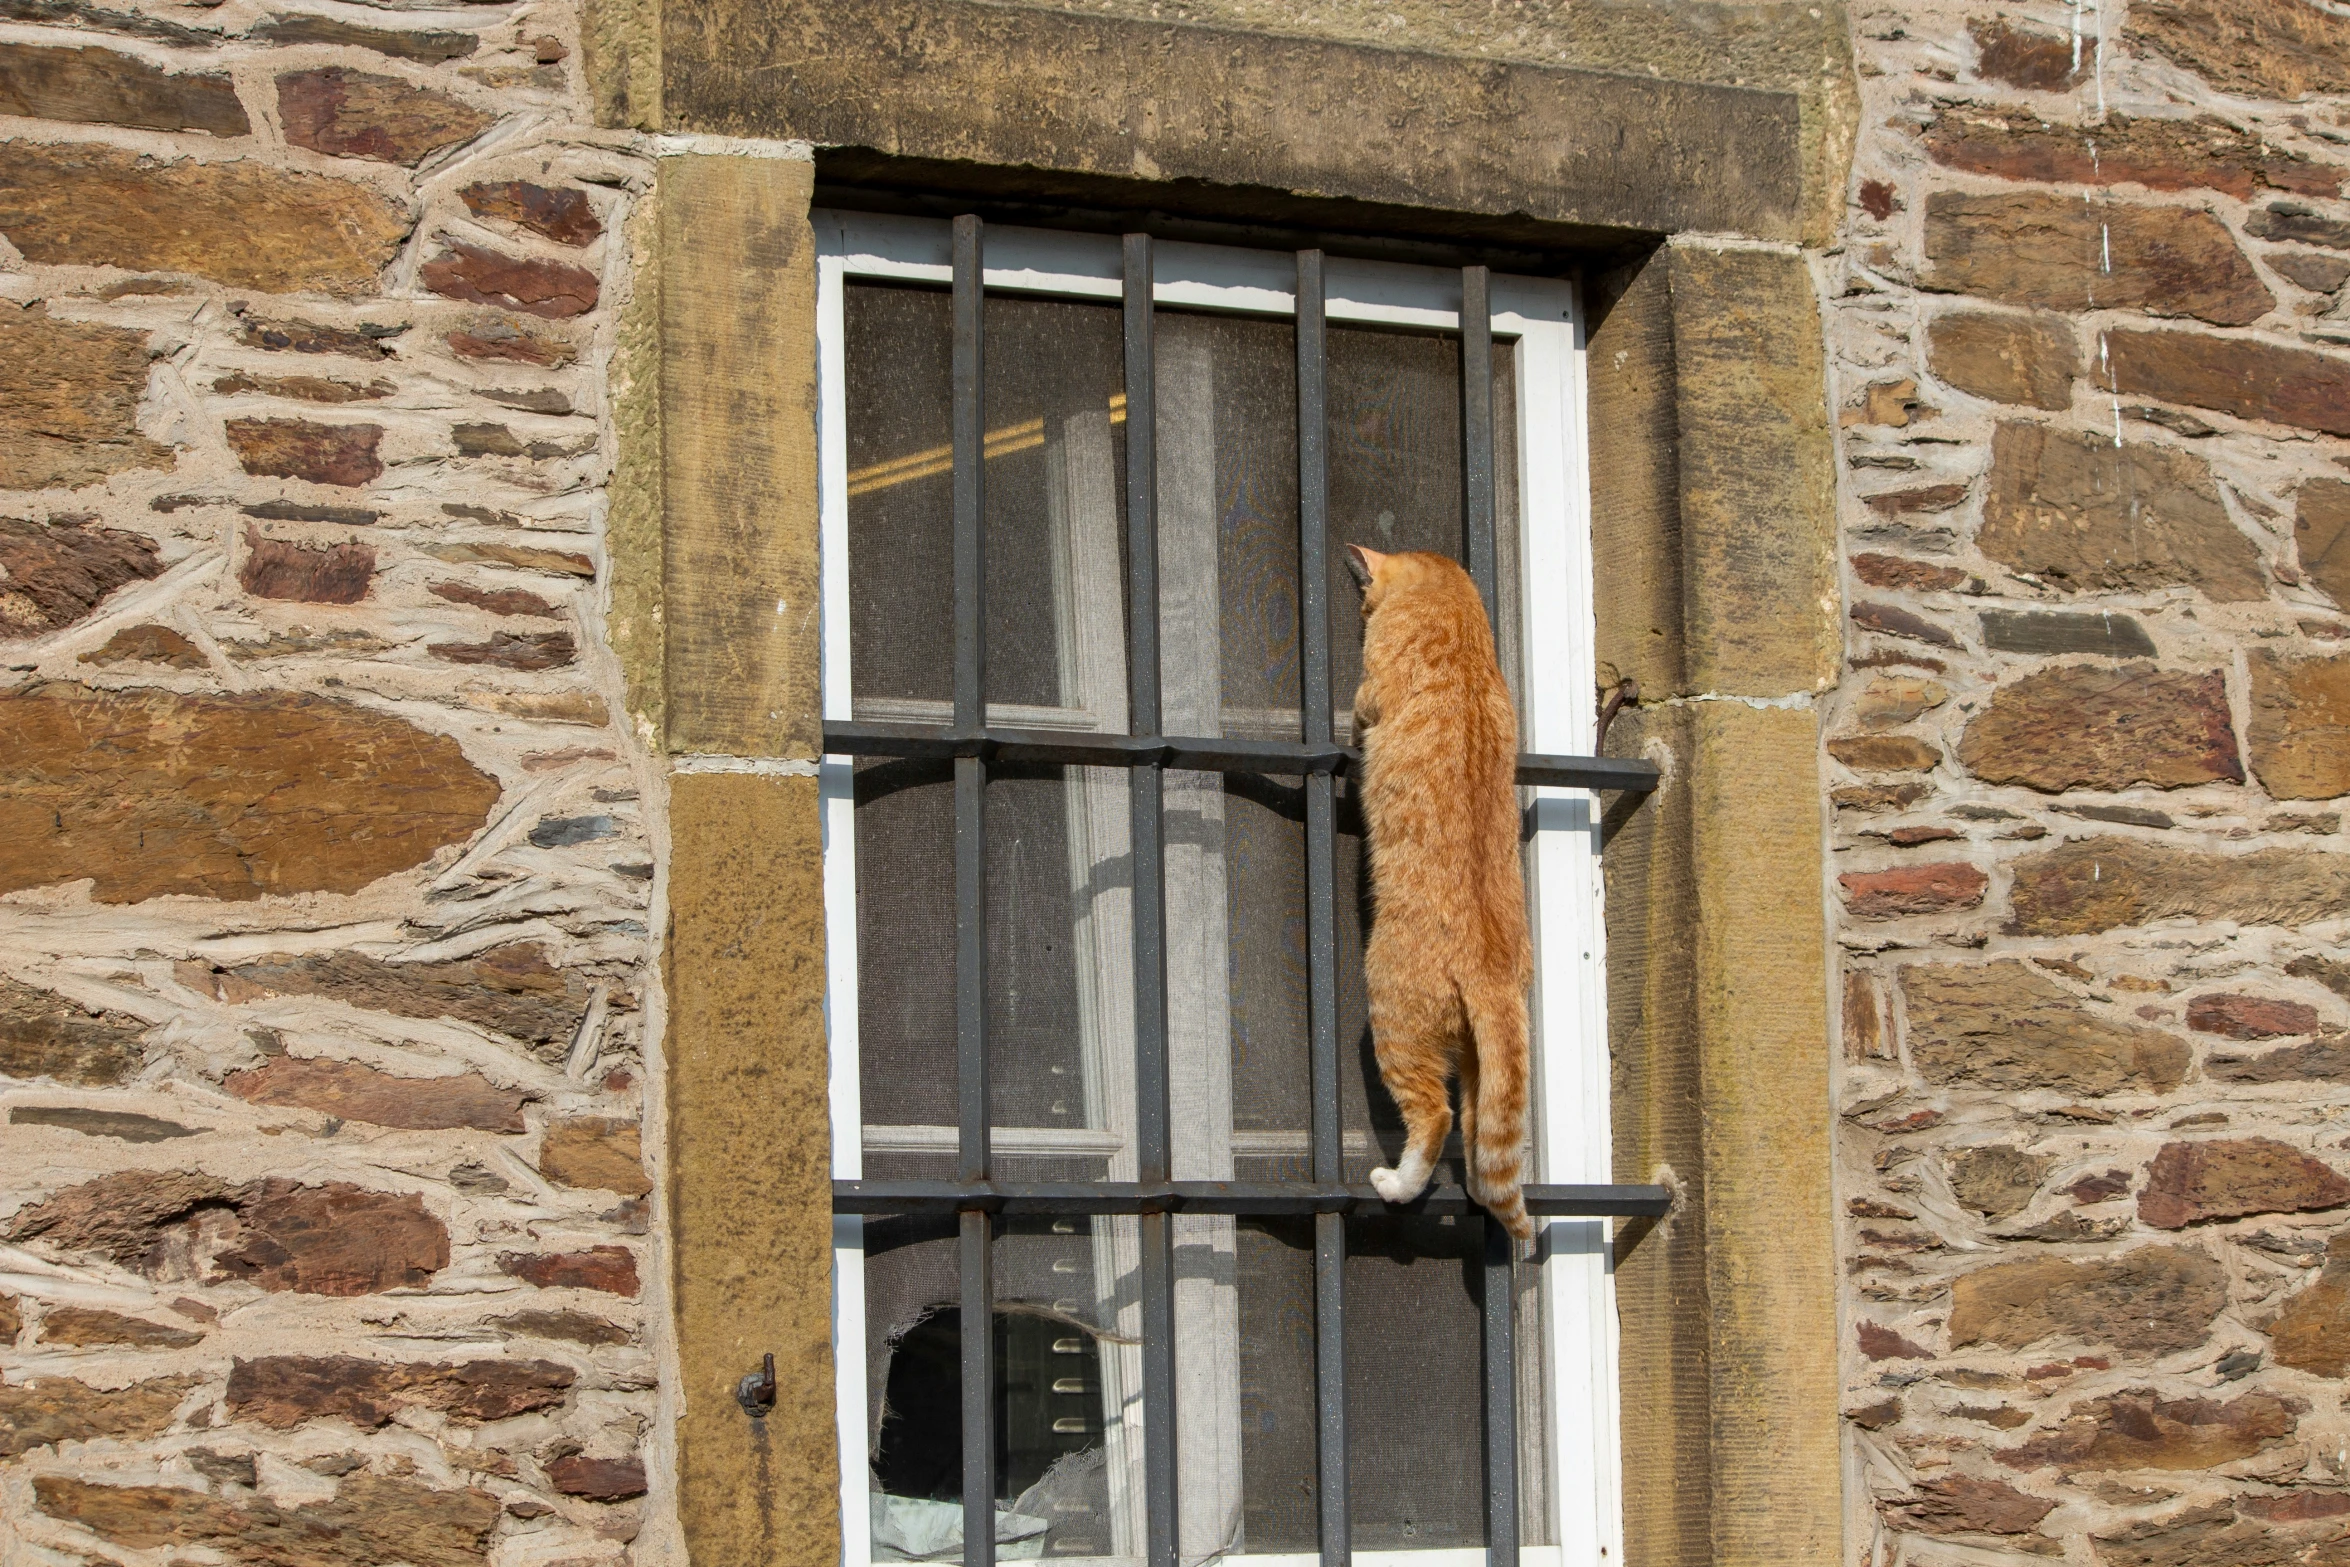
[1446,735]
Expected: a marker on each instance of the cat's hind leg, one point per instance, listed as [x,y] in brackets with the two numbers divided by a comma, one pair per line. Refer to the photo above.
[1415,1029]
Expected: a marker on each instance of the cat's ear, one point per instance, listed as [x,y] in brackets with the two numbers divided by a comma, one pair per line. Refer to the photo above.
[1364,563]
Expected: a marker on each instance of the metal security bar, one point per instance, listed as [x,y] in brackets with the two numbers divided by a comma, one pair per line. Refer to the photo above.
[974,1196]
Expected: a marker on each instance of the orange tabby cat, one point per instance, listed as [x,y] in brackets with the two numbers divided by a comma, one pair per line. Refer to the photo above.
[1449,959]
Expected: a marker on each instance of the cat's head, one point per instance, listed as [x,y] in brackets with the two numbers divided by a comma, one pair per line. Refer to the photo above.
[1381,574]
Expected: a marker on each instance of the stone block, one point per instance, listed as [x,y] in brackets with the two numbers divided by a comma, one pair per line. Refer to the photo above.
[149,644]
[83,1326]
[352,114]
[1882,1343]
[1967,1504]
[598,1152]
[46,1411]
[2250,1017]
[107,87]
[370,1519]
[148,792]
[1889,701]
[242,223]
[2211,1535]
[59,572]
[611,1269]
[2202,153]
[2156,1300]
[353,1092]
[1997,1180]
[523,557]
[2239,375]
[71,413]
[1884,753]
[2007,358]
[2105,726]
[2312,1333]
[2093,517]
[2056,252]
[2188,1183]
[2321,533]
[556,290]
[598,1479]
[1913,576]
[44,1035]
[2044,631]
[573,1327]
[2254,48]
[2141,1429]
[1895,621]
[2325,1060]
[1912,889]
[498,601]
[283,1391]
[2005,1027]
[503,337]
[2299,732]
[2028,58]
[2109,883]
[341,454]
[561,214]
[525,650]
[510,990]
[306,573]
[425,45]
[2300,223]
[127,1125]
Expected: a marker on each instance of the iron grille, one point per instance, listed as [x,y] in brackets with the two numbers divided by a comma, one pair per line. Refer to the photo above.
[974,1195]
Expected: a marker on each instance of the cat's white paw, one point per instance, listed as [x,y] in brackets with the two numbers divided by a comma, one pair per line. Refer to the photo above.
[1391,1187]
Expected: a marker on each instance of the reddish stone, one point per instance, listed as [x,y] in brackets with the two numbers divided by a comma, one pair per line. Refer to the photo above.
[566,563]
[1903,503]
[511,990]
[56,573]
[2237,375]
[335,1239]
[149,644]
[1912,889]
[1895,621]
[1966,1504]
[512,650]
[370,1519]
[502,601]
[308,337]
[361,1093]
[2254,48]
[1892,571]
[1877,1416]
[299,449]
[1916,837]
[2005,357]
[598,1479]
[310,573]
[2141,1429]
[2056,252]
[84,1326]
[283,1391]
[351,114]
[554,289]
[2034,61]
[498,338]
[1877,199]
[2104,726]
[2298,1506]
[2250,1017]
[2198,154]
[561,215]
[1882,1343]
[2188,1183]
[2099,1188]
[608,1268]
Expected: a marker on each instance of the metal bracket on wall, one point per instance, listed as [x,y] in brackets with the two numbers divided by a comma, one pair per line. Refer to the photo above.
[756,1391]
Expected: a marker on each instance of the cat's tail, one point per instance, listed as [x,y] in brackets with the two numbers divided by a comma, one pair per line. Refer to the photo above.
[1497,1164]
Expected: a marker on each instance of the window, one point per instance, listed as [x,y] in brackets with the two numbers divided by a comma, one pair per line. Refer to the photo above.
[1100,1074]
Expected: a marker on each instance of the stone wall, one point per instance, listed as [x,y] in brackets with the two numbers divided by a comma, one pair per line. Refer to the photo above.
[325,862]
[2087,767]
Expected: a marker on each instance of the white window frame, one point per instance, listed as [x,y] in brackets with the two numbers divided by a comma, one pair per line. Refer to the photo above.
[1558,630]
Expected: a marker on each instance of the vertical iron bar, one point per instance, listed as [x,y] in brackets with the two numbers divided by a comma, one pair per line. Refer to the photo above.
[1501,1397]
[978,1316]
[1477,430]
[1313,573]
[1153,1155]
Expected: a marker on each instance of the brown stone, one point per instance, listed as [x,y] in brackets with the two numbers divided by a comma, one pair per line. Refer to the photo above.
[1895,621]
[2103,634]
[2003,1026]
[2207,1536]
[2056,252]
[563,563]
[309,573]
[85,1325]
[2092,517]
[1997,1180]
[50,1410]
[2300,728]
[1882,1343]
[2105,726]
[2318,274]
[150,792]
[71,413]
[308,337]
[2142,1430]
[2296,222]
[149,644]
[511,989]
[44,1035]
[2250,1017]
[2325,1060]
[1889,701]
[430,46]
[308,388]
[242,223]
[1916,576]
[512,650]
[608,1268]
[1884,753]
[563,216]
[598,1479]
[2027,359]
[1878,797]
[2298,1506]
[499,601]
[128,1125]
[502,337]
[2188,1183]
[2255,48]
[2197,154]
[1926,498]
[361,1093]
[283,1391]
[351,114]
[104,87]
[2108,883]
[576,1327]
[2313,1332]
[56,573]
[554,289]
[2238,375]
[300,449]
[11,1321]
[2034,61]
[371,1519]
[1912,889]
[335,1239]
[598,1152]
[1968,1504]
[2321,530]
[2156,1300]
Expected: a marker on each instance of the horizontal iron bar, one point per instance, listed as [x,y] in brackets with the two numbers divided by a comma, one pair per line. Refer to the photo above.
[1071,748]
[1234,1197]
